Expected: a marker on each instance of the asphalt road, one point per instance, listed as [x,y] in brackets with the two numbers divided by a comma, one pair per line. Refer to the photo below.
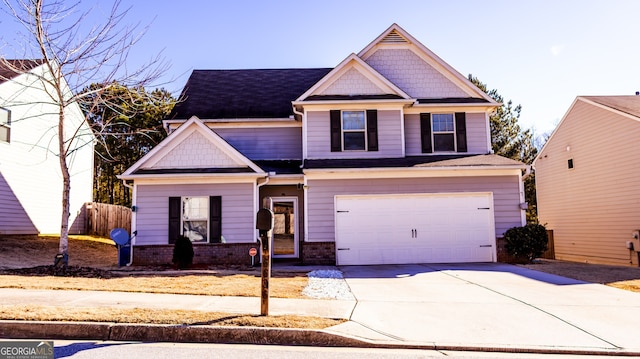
[109,350]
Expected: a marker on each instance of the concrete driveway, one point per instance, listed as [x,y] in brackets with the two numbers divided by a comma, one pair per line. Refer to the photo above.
[490,306]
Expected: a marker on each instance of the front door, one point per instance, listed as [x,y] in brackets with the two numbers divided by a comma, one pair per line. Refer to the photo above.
[285,228]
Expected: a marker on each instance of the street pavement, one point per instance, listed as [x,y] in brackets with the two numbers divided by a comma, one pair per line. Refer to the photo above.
[488,307]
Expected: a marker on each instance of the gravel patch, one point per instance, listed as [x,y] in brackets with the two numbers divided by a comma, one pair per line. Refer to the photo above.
[327,283]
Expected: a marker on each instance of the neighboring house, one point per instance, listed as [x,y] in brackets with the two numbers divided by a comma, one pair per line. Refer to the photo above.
[588,181]
[385,158]
[30,176]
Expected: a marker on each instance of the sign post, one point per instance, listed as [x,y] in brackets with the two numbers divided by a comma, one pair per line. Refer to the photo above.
[252,253]
[264,224]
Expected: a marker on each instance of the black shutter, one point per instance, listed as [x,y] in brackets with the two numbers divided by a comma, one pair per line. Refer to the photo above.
[461,131]
[372,130]
[336,131]
[174,218]
[425,132]
[215,219]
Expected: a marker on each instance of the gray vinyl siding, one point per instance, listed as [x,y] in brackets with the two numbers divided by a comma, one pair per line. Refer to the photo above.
[321,194]
[265,143]
[592,208]
[477,141]
[152,215]
[389,137]
[13,218]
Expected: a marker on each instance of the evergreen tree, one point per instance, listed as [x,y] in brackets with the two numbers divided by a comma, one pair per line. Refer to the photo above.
[508,139]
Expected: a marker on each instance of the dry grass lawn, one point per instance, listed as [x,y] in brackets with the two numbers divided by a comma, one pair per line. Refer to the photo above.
[243,285]
[152,316]
[99,256]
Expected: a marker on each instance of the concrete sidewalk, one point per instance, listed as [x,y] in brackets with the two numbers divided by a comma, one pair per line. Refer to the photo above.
[484,307]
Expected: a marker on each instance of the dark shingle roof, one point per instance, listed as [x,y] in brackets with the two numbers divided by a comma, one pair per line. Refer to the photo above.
[628,104]
[211,94]
[9,71]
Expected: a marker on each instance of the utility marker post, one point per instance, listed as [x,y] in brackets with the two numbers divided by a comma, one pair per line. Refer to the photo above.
[264,224]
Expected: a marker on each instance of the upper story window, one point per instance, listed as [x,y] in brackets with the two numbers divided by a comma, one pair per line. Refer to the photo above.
[5,125]
[354,130]
[443,132]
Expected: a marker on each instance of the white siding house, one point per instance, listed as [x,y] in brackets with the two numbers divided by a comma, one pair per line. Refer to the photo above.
[30,175]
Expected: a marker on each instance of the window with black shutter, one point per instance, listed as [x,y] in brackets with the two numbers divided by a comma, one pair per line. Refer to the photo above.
[354,130]
[198,218]
[443,132]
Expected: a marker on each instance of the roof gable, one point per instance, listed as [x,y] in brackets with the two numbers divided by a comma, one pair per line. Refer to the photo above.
[196,147]
[353,77]
[625,106]
[417,70]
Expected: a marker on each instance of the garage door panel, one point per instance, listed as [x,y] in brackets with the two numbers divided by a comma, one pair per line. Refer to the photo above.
[415,229]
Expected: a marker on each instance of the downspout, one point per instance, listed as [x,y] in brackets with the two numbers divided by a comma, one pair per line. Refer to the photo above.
[124,182]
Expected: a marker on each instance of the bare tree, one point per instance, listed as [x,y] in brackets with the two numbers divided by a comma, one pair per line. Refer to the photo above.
[77,53]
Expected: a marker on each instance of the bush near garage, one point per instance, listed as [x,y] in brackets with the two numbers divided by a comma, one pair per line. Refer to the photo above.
[526,243]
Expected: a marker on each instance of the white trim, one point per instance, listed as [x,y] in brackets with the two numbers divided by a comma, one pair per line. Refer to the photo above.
[134,214]
[369,173]
[488,130]
[523,199]
[305,133]
[331,104]
[454,107]
[194,178]
[286,179]
[296,229]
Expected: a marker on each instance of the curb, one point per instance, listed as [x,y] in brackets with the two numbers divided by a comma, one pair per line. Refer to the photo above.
[10,329]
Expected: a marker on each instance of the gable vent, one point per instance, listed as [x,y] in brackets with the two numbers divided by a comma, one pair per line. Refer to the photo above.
[394,38]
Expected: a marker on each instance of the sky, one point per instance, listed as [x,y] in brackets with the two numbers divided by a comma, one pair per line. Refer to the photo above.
[540,54]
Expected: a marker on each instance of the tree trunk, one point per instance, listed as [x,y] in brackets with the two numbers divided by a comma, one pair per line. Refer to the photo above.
[63,247]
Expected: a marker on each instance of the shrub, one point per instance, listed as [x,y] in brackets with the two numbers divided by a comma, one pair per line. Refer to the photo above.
[183,252]
[526,243]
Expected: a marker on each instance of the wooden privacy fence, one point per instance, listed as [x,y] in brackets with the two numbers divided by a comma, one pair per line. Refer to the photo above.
[101,218]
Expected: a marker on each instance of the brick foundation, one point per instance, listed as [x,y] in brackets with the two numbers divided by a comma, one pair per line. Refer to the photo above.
[218,253]
[318,253]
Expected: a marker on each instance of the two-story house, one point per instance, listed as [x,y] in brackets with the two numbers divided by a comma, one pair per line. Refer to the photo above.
[385,158]
[30,175]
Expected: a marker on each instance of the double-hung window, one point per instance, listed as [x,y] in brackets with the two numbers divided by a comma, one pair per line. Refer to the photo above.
[195,218]
[354,131]
[5,125]
[198,218]
[443,132]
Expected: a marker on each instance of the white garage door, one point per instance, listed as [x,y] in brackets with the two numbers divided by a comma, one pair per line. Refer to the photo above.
[401,229]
